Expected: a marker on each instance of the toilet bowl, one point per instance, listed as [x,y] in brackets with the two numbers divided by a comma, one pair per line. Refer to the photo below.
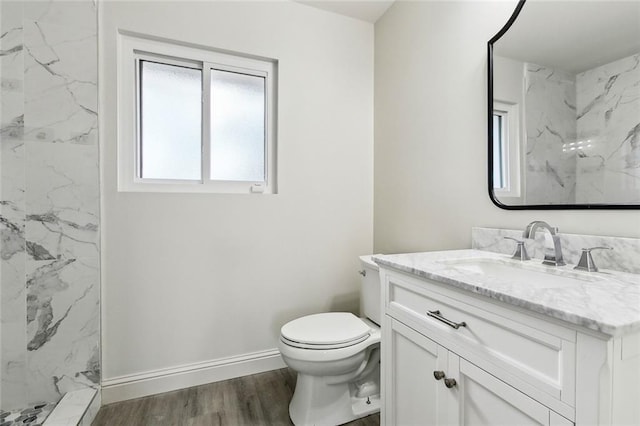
[337,359]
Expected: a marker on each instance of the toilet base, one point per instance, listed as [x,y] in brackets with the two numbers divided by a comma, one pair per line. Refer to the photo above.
[319,403]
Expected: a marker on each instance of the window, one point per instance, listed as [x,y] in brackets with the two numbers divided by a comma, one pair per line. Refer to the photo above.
[506,150]
[194,120]
[499,149]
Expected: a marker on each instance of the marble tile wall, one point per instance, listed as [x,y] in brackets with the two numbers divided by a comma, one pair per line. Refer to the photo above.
[550,116]
[49,200]
[590,125]
[624,257]
[608,133]
[12,210]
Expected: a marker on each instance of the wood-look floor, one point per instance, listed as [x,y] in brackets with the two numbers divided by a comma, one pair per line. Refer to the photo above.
[260,399]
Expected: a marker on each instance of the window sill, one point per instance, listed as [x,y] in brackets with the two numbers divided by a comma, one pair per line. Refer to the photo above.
[196,188]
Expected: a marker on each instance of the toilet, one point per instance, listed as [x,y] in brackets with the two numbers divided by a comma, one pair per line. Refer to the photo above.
[337,358]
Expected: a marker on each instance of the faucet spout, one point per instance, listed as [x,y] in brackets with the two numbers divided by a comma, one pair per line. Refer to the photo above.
[553,250]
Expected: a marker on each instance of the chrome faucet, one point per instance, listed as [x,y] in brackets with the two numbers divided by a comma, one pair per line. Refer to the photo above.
[552,253]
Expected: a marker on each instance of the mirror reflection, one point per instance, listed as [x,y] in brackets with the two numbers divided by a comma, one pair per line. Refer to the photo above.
[566,106]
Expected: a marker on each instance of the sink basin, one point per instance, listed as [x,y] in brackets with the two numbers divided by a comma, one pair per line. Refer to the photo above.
[520,273]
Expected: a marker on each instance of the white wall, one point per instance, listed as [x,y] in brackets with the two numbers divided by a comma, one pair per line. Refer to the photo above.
[195,277]
[508,88]
[431,132]
[507,80]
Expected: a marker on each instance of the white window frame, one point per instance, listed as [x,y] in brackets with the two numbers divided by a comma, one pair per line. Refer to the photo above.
[510,113]
[131,50]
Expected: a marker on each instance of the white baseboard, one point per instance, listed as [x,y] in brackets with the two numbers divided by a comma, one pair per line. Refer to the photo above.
[173,378]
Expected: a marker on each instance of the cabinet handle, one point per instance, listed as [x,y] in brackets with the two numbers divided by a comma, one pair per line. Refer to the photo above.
[439,375]
[437,315]
[450,383]
[363,273]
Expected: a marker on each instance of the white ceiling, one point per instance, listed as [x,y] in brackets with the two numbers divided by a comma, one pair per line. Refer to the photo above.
[365,10]
[574,36]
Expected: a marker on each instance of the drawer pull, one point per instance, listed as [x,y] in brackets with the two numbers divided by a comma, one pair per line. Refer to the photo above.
[437,315]
[450,383]
[439,375]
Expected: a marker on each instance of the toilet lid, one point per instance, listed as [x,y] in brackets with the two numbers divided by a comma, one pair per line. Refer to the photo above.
[327,329]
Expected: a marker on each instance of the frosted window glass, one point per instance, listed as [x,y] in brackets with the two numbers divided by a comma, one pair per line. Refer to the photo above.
[237,126]
[171,121]
[499,143]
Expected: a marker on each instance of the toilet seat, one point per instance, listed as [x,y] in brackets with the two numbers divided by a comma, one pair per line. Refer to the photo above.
[331,330]
[322,347]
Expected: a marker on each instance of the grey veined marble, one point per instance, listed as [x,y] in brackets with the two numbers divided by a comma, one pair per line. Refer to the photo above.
[624,257]
[583,134]
[550,116]
[608,302]
[608,133]
[49,200]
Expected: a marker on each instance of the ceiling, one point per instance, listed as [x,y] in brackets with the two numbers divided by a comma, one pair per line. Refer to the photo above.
[573,35]
[365,10]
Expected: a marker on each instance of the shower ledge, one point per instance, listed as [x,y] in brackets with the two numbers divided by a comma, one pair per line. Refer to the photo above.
[76,408]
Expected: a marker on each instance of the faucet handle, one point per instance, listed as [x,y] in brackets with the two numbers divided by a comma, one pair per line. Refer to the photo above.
[514,239]
[586,262]
[521,250]
[597,248]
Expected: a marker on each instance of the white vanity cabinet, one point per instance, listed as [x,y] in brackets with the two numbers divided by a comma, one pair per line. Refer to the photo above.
[504,366]
[416,397]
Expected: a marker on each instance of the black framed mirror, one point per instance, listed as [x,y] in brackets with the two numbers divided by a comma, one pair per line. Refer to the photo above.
[564,106]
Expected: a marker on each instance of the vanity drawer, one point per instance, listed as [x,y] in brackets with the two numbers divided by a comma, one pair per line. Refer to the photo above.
[522,350]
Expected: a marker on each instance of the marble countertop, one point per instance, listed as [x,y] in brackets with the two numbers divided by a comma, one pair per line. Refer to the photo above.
[606,301]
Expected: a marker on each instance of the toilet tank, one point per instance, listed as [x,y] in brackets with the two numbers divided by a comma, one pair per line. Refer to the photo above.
[370,290]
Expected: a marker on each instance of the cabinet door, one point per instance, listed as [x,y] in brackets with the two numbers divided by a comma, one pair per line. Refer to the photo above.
[485,400]
[412,394]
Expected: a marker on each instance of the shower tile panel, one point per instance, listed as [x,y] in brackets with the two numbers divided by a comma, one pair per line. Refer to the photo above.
[12,276]
[62,329]
[583,134]
[61,81]
[608,99]
[550,115]
[62,201]
[12,212]
[64,13]
[49,200]
[13,316]
[11,87]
